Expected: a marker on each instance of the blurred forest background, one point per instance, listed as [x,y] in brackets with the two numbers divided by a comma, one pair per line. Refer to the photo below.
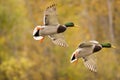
[23,58]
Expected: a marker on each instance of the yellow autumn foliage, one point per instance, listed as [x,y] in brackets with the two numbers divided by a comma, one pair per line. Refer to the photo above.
[23,58]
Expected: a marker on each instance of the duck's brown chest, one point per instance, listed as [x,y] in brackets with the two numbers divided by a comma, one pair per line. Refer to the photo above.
[61,29]
[97,48]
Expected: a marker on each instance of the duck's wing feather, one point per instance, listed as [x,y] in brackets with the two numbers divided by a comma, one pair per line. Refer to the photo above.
[90,62]
[94,41]
[85,45]
[50,16]
[58,39]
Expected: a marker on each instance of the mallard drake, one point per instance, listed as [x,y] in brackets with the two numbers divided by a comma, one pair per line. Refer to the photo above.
[51,27]
[85,51]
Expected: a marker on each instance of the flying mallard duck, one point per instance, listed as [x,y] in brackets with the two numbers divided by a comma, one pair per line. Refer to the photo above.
[85,51]
[51,27]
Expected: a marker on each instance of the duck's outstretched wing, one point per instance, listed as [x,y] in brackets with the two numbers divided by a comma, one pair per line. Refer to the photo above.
[90,62]
[85,45]
[58,39]
[50,16]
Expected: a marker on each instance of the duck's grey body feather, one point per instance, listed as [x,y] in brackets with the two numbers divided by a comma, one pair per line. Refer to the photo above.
[49,30]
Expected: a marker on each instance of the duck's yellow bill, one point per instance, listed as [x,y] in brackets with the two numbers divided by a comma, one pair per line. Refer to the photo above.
[76,25]
[113,46]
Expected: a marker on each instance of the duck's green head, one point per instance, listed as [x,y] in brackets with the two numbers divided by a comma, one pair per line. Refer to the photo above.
[69,24]
[107,45]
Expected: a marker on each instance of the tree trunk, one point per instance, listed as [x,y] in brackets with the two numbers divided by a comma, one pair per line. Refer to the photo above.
[89,20]
[110,19]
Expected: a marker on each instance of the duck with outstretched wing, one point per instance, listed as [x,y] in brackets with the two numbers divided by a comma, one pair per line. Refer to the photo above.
[52,28]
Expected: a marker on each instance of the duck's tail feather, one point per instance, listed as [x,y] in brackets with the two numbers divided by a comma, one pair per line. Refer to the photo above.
[73,58]
[40,38]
